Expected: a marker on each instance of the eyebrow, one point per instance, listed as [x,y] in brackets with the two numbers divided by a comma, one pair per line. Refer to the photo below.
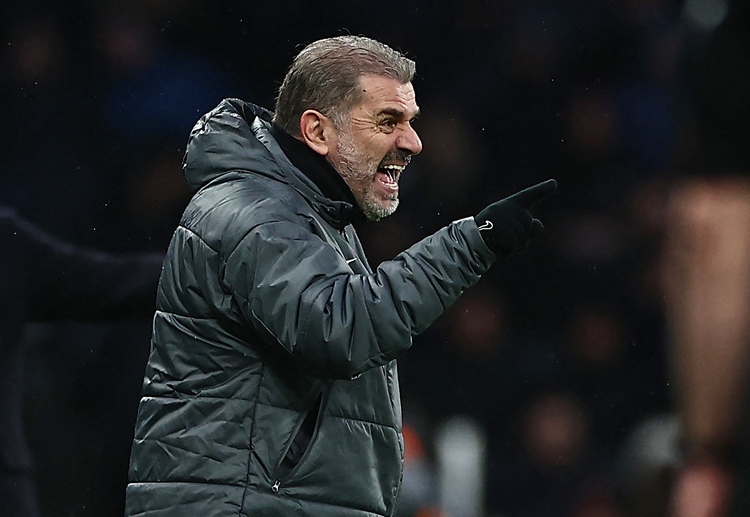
[397,113]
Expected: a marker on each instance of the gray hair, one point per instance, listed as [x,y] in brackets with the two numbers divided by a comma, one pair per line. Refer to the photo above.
[325,77]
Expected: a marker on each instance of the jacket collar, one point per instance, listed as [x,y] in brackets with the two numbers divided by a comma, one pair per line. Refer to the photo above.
[338,212]
[319,171]
[238,136]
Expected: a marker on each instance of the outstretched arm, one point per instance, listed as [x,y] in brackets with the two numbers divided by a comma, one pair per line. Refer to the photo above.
[69,282]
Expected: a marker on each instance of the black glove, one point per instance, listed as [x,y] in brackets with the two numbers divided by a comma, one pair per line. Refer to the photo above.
[507,225]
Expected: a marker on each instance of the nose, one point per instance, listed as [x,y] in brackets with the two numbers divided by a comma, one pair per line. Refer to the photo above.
[409,140]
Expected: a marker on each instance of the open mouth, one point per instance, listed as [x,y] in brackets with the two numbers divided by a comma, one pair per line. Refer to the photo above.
[388,175]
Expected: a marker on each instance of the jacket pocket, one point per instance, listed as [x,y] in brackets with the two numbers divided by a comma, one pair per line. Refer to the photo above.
[300,445]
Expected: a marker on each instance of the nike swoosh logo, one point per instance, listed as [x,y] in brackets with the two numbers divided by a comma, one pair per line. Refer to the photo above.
[349,261]
[486,226]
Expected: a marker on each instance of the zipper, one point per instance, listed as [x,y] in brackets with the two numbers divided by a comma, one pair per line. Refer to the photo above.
[281,474]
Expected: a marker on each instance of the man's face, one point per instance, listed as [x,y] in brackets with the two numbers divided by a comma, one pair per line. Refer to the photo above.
[377,143]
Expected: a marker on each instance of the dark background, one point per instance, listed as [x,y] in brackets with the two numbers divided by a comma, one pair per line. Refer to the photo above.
[559,354]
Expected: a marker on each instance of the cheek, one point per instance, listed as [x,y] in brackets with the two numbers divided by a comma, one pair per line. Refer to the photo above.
[369,159]
[380,148]
[371,149]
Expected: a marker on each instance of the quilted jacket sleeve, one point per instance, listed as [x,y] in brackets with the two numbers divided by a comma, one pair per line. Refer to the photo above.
[300,293]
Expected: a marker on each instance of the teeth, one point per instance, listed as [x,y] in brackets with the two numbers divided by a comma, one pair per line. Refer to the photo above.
[393,171]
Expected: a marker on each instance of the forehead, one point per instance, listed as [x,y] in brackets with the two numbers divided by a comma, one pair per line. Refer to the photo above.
[387,94]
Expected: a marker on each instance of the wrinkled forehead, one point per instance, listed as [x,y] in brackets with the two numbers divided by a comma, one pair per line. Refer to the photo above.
[385,94]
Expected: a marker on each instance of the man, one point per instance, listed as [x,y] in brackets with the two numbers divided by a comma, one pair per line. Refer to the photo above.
[271,387]
[45,280]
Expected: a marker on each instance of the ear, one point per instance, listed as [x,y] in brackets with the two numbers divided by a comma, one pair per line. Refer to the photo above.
[316,131]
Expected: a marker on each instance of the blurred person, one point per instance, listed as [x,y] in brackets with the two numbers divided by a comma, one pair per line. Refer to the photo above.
[553,464]
[47,280]
[271,387]
[707,282]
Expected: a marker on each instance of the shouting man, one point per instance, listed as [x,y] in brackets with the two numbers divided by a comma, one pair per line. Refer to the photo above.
[271,388]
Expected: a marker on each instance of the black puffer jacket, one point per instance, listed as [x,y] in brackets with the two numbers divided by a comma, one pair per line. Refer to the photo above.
[271,388]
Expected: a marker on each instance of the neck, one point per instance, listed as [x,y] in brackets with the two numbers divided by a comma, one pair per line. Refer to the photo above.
[315,167]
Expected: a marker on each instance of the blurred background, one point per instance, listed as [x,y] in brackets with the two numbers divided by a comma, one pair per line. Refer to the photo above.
[551,380]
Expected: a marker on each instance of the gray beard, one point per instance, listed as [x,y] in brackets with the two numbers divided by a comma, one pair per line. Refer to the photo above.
[351,165]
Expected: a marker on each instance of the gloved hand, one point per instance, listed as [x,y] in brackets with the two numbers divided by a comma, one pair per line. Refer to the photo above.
[507,225]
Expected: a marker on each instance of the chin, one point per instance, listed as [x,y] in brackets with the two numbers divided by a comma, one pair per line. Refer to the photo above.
[380,211]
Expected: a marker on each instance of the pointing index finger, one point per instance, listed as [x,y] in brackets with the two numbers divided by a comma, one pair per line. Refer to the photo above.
[531,195]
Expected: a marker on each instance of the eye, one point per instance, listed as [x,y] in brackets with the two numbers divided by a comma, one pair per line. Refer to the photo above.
[388,124]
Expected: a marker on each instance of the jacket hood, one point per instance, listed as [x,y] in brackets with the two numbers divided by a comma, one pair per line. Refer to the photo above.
[235,137]
[229,138]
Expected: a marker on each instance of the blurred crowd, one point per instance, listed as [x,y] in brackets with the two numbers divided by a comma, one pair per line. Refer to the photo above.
[561,356]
